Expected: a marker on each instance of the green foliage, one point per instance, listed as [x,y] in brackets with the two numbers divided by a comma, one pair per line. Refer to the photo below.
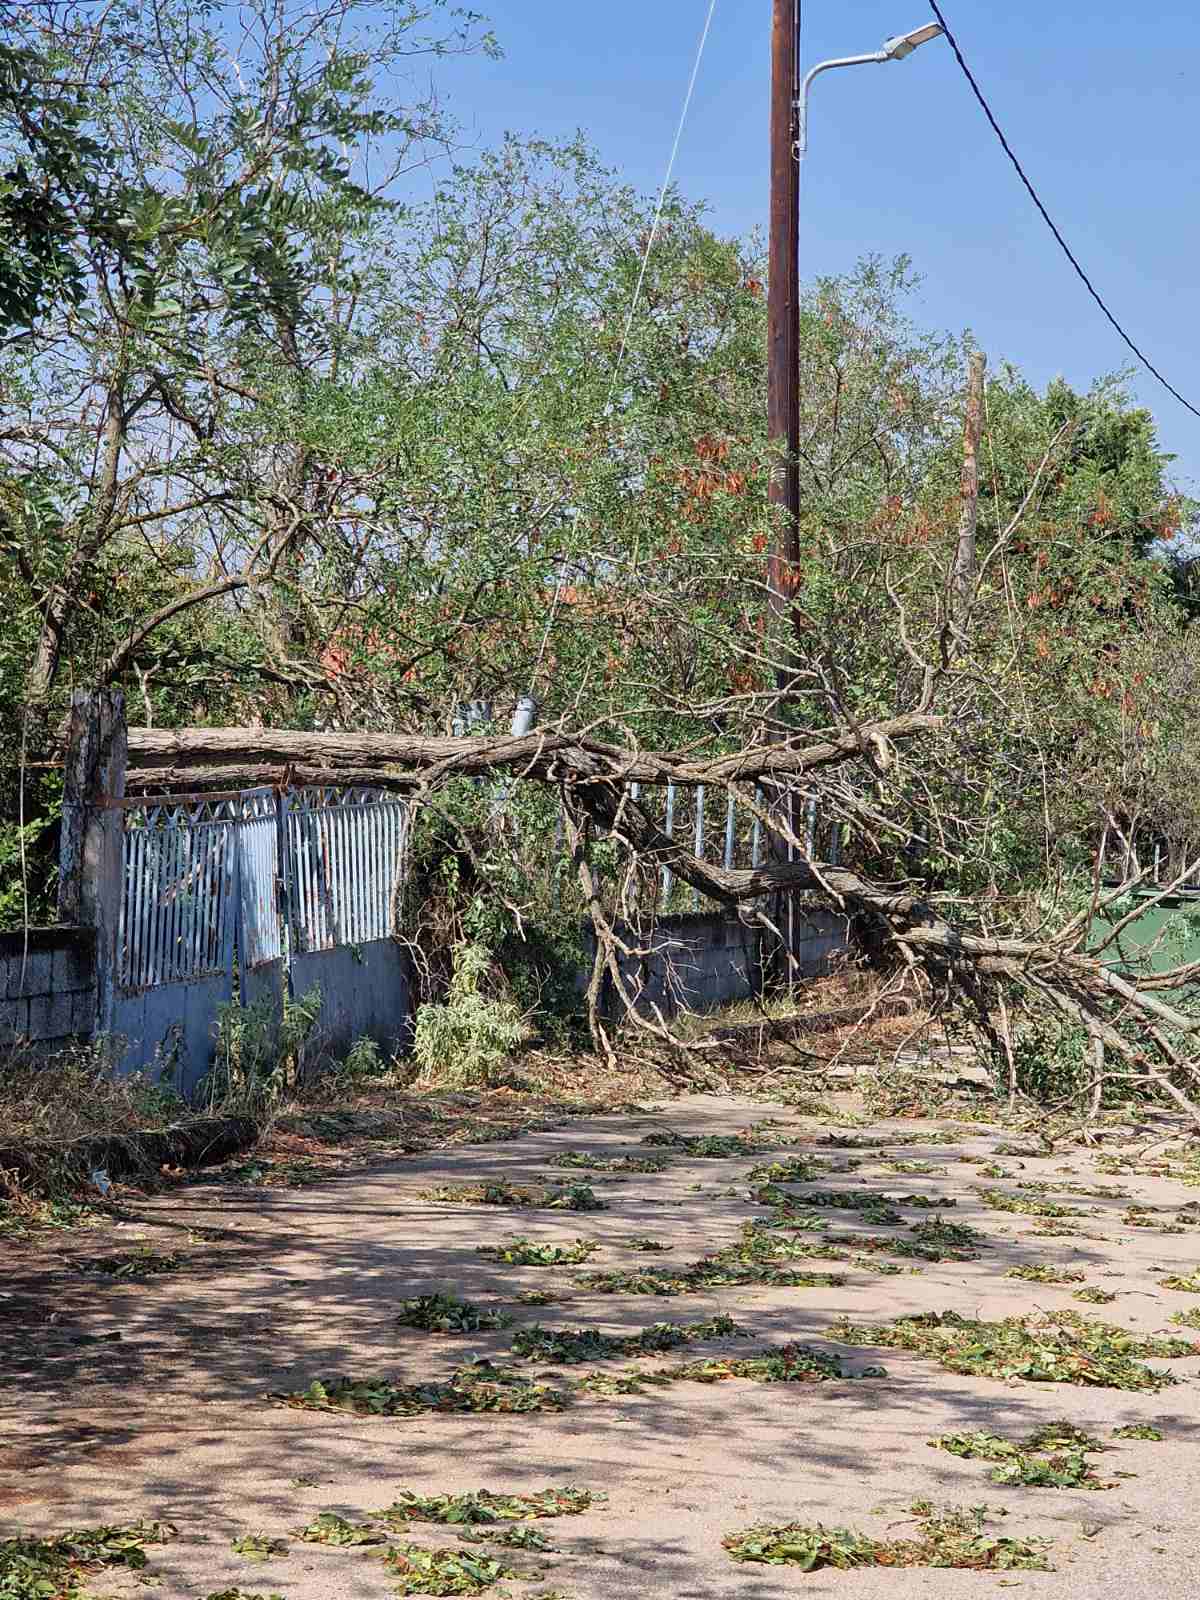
[486,1507]
[1054,1457]
[1139,1430]
[259,1547]
[260,1057]
[574,1197]
[594,1163]
[791,1363]
[586,1344]
[443,1572]
[467,1040]
[55,1568]
[443,1313]
[477,1387]
[1187,1283]
[1059,1347]
[532,1253]
[330,1529]
[951,1537]
[1039,1272]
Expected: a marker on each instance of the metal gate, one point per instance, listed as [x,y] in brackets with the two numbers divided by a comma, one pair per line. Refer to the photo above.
[252,896]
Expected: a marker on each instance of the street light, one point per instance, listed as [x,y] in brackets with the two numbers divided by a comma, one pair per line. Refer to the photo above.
[892,50]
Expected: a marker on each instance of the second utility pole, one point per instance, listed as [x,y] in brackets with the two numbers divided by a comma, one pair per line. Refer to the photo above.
[783,317]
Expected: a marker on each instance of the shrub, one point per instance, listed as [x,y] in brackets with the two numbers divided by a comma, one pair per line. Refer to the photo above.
[467,1040]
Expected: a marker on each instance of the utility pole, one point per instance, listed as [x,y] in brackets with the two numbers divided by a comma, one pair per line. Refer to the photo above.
[783,313]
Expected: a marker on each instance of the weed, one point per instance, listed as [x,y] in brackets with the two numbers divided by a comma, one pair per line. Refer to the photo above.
[444,1571]
[260,1055]
[576,1197]
[468,1039]
[328,1528]
[529,1253]
[1059,1347]
[54,1568]
[478,1386]
[585,1344]
[443,1313]
[1096,1297]
[1041,1273]
[1138,1430]
[22,1216]
[953,1537]
[1188,1283]
[581,1158]
[485,1506]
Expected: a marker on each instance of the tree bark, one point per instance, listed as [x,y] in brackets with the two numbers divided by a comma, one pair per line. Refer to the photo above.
[242,757]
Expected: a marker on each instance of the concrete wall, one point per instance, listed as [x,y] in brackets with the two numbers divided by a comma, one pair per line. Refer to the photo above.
[702,961]
[47,986]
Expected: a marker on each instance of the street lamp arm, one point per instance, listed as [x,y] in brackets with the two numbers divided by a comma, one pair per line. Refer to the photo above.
[825,66]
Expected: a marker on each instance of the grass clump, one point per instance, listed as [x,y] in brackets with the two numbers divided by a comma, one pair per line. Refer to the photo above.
[1059,1347]
[443,1313]
[950,1537]
[54,1568]
[575,1197]
[581,1158]
[1041,1273]
[487,1507]
[444,1572]
[479,1386]
[533,1253]
[585,1344]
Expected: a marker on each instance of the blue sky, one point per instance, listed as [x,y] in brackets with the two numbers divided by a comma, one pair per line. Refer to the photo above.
[1101,107]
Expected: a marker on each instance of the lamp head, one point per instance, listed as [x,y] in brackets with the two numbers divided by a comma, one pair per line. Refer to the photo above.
[905,43]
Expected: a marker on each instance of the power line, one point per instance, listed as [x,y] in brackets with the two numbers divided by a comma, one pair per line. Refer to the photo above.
[662,197]
[1049,221]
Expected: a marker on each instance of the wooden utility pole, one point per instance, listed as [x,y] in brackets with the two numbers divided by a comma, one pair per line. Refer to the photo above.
[783,311]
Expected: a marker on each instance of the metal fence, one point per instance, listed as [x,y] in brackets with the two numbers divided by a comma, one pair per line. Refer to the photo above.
[223,894]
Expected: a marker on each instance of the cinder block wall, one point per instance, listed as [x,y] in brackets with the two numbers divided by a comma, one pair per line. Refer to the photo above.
[47,986]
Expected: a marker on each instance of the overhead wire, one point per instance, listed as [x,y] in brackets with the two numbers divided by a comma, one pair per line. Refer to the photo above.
[1048,219]
[644,266]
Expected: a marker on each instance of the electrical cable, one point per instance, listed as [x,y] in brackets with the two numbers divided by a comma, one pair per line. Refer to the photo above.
[1048,220]
[639,286]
